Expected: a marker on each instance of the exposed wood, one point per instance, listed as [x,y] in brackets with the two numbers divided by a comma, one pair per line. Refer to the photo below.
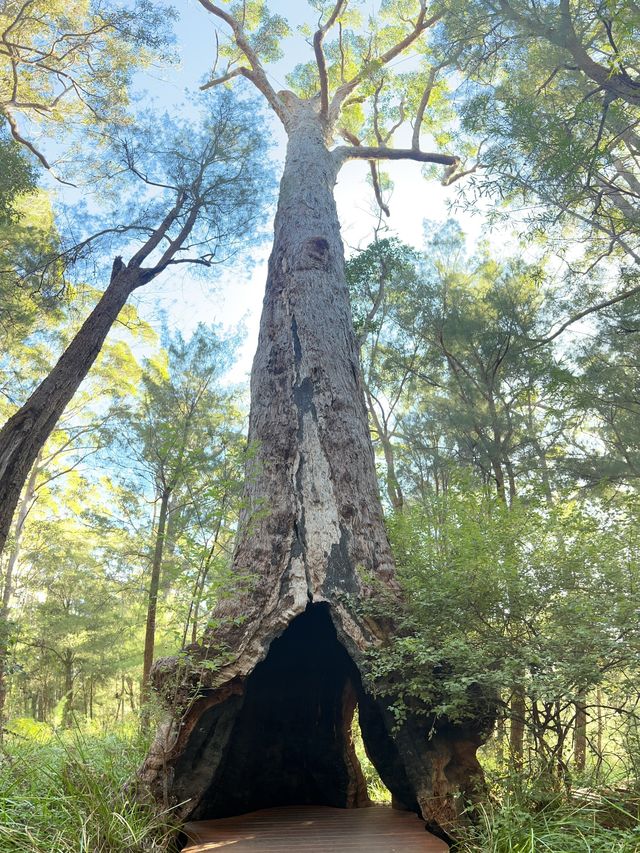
[316,829]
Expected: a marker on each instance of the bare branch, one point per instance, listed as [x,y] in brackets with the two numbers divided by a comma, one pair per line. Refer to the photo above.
[19,138]
[320,57]
[599,306]
[375,177]
[424,103]
[216,81]
[377,189]
[365,152]
[256,73]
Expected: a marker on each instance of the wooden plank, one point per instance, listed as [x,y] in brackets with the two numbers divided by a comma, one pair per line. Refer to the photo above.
[315,829]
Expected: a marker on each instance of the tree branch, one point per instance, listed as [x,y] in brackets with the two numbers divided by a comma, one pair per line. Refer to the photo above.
[421,25]
[20,139]
[320,57]
[375,177]
[366,152]
[600,306]
[158,235]
[424,103]
[256,73]
[216,81]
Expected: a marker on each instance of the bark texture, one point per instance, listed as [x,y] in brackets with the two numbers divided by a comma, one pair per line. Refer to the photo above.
[262,709]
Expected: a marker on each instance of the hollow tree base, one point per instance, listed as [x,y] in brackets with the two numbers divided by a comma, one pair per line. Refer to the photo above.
[281,736]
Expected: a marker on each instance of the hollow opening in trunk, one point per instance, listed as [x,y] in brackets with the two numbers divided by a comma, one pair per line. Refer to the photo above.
[290,742]
[376,789]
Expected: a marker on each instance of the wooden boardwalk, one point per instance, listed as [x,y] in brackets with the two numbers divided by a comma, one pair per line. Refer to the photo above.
[315,829]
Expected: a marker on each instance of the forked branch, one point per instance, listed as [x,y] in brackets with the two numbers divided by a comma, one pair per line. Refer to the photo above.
[255,72]
[422,24]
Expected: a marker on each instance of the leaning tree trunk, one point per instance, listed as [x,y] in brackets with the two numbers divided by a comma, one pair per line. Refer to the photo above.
[262,711]
[25,433]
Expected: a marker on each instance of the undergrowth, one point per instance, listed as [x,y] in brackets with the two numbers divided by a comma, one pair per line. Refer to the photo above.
[70,793]
[527,816]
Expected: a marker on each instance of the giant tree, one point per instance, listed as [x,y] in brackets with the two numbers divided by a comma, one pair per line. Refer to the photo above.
[291,641]
[201,196]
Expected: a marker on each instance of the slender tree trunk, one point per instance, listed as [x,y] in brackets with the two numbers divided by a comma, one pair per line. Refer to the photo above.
[154,585]
[7,588]
[498,475]
[131,694]
[394,492]
[393,486]
[516,731]
[500,736]
[68,688]
[512,481]
[25,433]
[580,735]
[599,729]
[201,580]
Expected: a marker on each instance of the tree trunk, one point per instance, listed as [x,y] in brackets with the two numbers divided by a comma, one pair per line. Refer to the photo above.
[599,730]
[516,732]
[7,588]
[67,713]
[152,601]
[25,433]
[498,475]
[580,736]
[500,735]
[288,655]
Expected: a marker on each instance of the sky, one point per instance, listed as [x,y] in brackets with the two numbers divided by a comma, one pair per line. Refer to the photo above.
[234,295]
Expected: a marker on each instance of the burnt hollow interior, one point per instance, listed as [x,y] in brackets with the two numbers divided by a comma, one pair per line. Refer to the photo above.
[289,742]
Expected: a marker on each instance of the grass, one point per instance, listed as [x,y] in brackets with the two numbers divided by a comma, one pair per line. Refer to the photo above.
[69,793]
[527,818]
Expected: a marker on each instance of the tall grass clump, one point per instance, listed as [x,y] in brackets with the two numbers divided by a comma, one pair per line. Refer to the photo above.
[71,793]
[536,816]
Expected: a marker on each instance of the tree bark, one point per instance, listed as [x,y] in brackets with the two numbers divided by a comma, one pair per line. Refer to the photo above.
[25,433]
[516,731]
[152,601]
[7,588]
[67,713]
[580,736]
